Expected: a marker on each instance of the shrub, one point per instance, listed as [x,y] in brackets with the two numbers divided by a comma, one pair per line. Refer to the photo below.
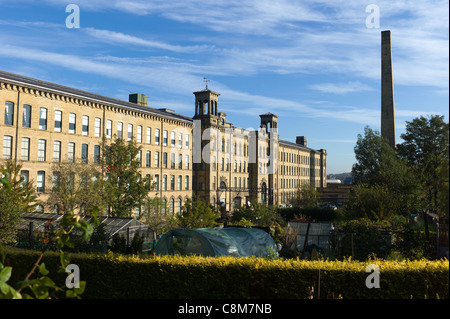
[118,276]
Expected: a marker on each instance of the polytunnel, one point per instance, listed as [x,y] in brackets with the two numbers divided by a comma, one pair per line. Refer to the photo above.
[231,241]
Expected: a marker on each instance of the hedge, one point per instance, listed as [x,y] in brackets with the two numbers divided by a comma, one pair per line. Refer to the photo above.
[115,276]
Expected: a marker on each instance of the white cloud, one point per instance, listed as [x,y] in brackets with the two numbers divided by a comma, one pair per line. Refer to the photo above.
[121,38]
[341,88]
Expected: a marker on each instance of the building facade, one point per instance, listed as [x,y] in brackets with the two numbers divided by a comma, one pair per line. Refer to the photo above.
[203,156]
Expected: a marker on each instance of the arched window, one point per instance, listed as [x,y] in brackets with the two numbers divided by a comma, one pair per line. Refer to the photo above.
[172,205]
[263,193]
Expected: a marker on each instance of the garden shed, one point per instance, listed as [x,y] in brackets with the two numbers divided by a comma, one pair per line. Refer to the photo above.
[233,241]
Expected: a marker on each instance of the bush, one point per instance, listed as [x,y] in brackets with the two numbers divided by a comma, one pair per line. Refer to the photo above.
[317,214]
[118,276]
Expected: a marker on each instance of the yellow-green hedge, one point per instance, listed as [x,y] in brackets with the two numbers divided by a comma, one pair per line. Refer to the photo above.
[111,276]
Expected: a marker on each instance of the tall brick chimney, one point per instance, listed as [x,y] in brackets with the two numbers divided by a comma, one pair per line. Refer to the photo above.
[387,91]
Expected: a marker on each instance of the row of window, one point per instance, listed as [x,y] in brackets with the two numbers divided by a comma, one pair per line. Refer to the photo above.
[168,182]
[176,139]
[297,158]
[42,153]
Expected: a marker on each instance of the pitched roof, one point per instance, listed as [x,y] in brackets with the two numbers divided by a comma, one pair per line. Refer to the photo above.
[61,89]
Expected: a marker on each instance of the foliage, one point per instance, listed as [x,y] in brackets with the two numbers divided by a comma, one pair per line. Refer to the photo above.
[43,287]
[362,238]
[192,277]
[75,187]
[196,214]
[137,243]
[123,188]
[317,214]
[306,196]
[118,243]
[257,214]
[385,179]
[375,203]
[426,149]
[17,196]
[153,216]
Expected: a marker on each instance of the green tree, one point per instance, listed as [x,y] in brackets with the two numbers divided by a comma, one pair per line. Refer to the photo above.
[75,187]
[426,149]
[375,203]
[257,214]
[123,187]
[378,165]
[17,196]
[153,216]
[197,214]
[306,196]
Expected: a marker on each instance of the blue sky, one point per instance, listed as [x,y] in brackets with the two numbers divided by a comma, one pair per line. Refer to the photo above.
[315,64]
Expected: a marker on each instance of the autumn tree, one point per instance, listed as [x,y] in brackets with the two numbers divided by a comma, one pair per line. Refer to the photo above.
[17,196]
[75,187]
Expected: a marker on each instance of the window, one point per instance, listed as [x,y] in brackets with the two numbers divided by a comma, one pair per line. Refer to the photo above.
[108,128]
[130,132]
[149,135]
[165,160]
[180,179]
[165,138]
[7,147]
[139,134]
[56,151]
[71,152]
[25,175]
[97,127]
[156,182]
[84,153]
[172,139]
[157,136]
[9,113]
[85,126]
[72,123]
[58,121]
[172,205]
[40,182]
[119,130]
[172,160]
[164,183]
[96,154]
[148,159]
[186,182]
[187,140]
[180,161]
[26,116]
[186,161]
[42,145]
[43,118]
[139,158]
[25,156]
[172,182]
[180,205]
[156,159]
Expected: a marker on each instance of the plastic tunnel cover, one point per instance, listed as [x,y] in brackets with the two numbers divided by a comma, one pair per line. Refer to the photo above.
[238,242]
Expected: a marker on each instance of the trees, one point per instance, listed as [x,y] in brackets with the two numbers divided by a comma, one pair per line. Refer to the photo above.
[307,196]
[153,216]
[258,214]
[75,187]
[426,150]
[123,187]
[17,196]
[383,178]
[197,214]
